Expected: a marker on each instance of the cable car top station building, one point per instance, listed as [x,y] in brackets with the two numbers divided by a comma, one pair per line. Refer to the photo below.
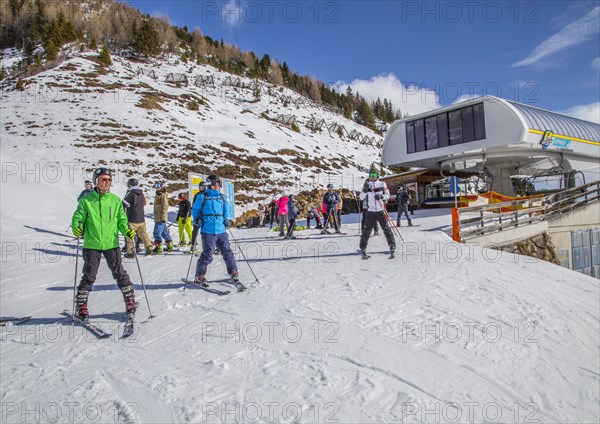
[496,137]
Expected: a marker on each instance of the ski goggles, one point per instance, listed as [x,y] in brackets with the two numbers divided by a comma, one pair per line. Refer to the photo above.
[373,175]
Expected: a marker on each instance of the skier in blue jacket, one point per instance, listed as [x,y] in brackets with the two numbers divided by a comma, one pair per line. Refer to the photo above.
[211,214]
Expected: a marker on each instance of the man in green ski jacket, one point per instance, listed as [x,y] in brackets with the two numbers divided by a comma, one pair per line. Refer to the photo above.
[100,217]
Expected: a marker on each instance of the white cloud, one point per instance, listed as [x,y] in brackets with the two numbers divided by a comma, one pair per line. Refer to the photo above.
[575,33]
[231,13]
[596,64]
[409,98]
[589,112]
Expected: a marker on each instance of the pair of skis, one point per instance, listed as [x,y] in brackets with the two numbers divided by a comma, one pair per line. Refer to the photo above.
[238,284]
[99,332]
[5,322]
[366,256]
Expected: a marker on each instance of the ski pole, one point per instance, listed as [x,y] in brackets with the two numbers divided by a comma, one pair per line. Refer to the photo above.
[142,280]
[358,209]
[390,222]
[192,248]
[75,280]
[244,256]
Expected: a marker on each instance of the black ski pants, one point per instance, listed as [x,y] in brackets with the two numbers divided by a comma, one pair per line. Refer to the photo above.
[403,209]
[91,262]
[331,216]
[363,222]
[370,221]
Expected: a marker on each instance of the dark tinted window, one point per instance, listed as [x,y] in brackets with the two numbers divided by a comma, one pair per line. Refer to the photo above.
[442,125]
[446,129]
[467,124]
[455,127]
[431,136]
[410,137]
[479,120]
[420,135]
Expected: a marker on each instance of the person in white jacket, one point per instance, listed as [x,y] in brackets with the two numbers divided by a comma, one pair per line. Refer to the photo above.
[376,193]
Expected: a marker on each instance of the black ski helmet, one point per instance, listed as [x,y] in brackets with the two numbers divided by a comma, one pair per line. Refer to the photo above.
[212,179]
[132,182]
[330,186]
[101,171]
[86,182]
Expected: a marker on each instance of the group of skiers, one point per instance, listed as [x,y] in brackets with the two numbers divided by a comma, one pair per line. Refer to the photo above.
[100,217]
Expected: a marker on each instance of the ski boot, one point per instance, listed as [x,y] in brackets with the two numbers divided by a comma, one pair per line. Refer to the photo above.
[201,281]
[81,309]
[169,247]
[363,253]
[392,251]
[149,251]
[157,247]
[129,255]
[129,298]
[410,223]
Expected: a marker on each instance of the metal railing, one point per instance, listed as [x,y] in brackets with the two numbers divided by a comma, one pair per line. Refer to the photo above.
[476,221]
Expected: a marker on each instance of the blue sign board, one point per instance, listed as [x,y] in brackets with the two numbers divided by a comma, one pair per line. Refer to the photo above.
[454,188]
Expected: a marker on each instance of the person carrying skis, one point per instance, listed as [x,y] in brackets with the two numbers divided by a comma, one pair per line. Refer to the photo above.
[134,203]
[184,219]
[88,190]
[292,215]
[161,215]
[100,217]
[211,213]
[402,197]
[282,212]
[375,192]
[330,200]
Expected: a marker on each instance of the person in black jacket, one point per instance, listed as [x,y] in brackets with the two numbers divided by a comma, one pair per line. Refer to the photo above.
[292,215]
[272,212]
[133,203]
[403,198]
[201,190]
[184,219]
[331,200]
[88,190]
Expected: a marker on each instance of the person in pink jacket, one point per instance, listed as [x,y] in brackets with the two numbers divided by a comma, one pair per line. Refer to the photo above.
[282,212]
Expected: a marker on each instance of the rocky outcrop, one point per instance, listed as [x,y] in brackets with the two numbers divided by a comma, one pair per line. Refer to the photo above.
[539,247]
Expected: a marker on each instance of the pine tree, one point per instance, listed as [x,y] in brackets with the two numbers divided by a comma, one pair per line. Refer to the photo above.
[145,39]
[104,57]
[365,115]
[93,44]
[51,50]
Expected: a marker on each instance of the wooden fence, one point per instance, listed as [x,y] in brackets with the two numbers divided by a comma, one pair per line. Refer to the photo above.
[476,221]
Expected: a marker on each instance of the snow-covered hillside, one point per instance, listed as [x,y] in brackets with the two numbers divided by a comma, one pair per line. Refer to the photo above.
[146,127]
[443,333]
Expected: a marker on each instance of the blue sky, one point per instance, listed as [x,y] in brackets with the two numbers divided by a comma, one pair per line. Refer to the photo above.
[419,54]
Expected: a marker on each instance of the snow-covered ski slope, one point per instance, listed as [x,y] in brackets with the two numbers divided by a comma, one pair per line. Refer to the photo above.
[443,333]
[153,129]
